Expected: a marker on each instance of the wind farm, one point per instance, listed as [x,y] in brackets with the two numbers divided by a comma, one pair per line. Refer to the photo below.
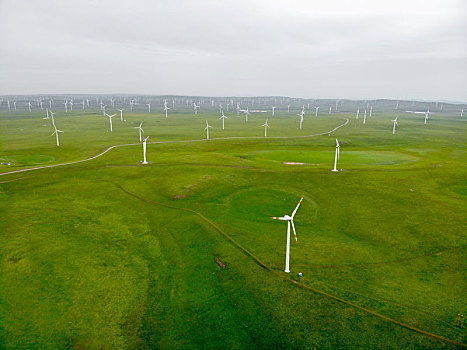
[233,175]
[130,220]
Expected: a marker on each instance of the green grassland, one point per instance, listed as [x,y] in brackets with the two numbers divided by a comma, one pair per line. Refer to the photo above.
[112,254]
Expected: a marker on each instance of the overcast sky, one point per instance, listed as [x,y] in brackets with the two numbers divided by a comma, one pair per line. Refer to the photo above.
[359,49]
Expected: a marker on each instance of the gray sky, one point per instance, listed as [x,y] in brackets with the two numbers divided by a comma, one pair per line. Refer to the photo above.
[398,49]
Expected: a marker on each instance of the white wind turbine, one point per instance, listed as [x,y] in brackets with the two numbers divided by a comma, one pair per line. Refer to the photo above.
[66,106]
[462,112]
[195,107]
[56,134]
[110,120]
[288,108]
[121,114]
[289,220]
[42,107]
[330,108]
[364,117]
[103,109]
[266,127]
[316,111]
[273,110]
[394,127]
[336,158]
[238,109]
[223,117]
[166,108]
[301,117]
[52,116]
[29,104]
[247,113]
[426,113]
[371,110]
[47,117]
[144,150]
[149,107]
[140,131]
[207,130]
[71,105]
[358,112]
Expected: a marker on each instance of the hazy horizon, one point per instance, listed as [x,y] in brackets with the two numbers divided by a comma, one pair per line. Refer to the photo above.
[396,50]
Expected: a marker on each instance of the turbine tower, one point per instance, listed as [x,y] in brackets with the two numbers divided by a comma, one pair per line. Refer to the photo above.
[395,123]
[266,127]
[289,220]
[223,117]
[336,158]
[144,150]
[207,130]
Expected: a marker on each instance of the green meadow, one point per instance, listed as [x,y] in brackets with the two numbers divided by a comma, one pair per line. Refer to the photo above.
[112,254]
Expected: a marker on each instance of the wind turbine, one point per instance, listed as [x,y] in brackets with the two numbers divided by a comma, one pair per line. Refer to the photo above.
[140,131]
[364,117]
[288,108]
[223,117]
[195,107]
[166,108]
[83,105]
[395,123]
[56,134]
[29,104]
[462,112]
[149,107]
[289,220]
[40,103]
[110,119]
[47,117]
[371,110]
[14,105]
[238,109]
[71,105]
[144,150]
[273,109]
[8,103]
[301,117]
[330,108]
[358,112]
[103,109]
[426,113]
[53,120]
[207,130]
[336,156]
[266,126]
[66,106]
[316,111]
[247,113]
[121,114]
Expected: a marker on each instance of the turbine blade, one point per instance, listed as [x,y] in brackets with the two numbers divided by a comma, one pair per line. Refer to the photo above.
[296,208]
[294,232]
[278,218]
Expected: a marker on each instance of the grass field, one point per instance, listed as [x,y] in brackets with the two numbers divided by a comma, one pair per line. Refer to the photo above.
[109,254]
